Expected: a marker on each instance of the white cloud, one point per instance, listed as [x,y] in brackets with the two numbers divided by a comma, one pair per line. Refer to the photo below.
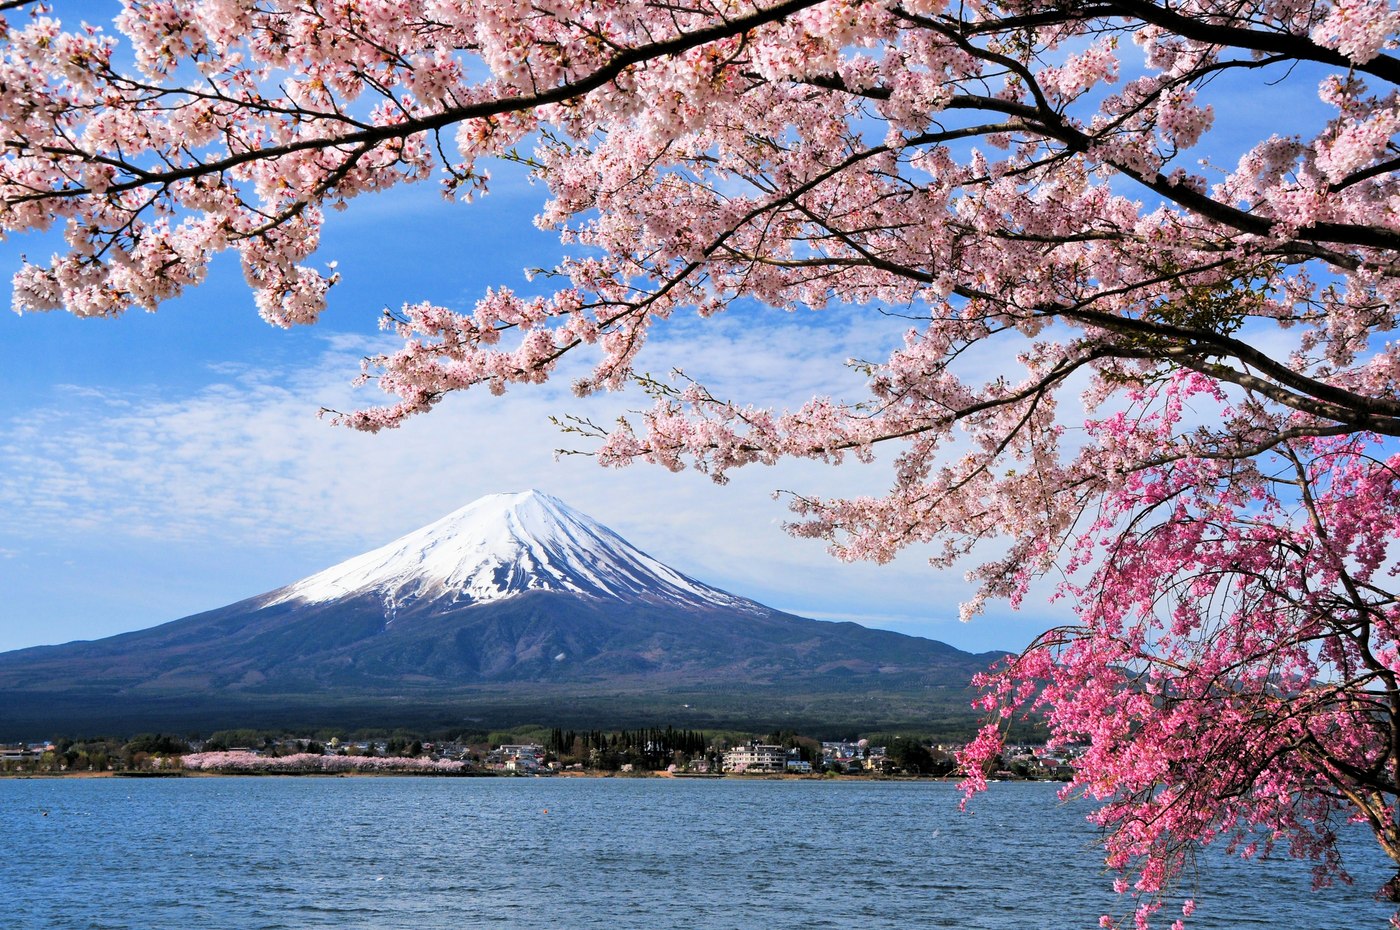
[242,465]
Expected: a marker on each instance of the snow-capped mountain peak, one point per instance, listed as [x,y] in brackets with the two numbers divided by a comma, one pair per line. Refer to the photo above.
[501,546]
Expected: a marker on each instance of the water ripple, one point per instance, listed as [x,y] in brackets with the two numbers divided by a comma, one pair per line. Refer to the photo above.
[611,854]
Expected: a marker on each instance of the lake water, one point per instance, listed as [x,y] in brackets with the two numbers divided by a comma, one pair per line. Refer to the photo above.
[420,853]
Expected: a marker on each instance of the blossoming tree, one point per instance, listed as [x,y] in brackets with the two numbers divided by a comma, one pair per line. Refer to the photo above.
[241,761]
[1194,422]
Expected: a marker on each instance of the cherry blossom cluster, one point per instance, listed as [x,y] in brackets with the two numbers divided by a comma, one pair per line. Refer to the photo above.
[240,761]
[1233,678]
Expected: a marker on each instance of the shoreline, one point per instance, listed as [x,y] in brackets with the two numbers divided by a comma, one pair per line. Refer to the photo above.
[731,776]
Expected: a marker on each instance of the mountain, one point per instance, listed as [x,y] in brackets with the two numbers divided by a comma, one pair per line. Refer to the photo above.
[515,607]
[502,546]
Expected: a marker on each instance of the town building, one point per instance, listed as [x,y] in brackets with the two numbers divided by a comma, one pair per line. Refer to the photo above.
[755,757]
[524,758]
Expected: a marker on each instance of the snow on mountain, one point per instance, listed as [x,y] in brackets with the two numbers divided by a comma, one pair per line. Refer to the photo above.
[503,545]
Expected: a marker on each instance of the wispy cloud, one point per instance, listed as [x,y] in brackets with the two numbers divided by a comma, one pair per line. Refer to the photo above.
[242,463]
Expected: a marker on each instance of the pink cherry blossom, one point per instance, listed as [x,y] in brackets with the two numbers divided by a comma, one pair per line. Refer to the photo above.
[248,763]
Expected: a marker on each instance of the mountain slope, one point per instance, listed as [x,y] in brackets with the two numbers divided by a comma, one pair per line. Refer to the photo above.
[513,598]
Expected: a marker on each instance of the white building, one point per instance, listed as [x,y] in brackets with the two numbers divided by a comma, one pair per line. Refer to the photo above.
[755,757]
[522,758]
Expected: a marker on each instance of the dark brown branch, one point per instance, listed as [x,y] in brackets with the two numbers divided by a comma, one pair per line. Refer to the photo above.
[1257,40]
[512,104]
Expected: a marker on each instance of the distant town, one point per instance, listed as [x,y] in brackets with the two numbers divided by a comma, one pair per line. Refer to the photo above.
[557,752]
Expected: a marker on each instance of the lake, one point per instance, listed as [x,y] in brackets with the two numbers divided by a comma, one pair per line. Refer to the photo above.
[268,853]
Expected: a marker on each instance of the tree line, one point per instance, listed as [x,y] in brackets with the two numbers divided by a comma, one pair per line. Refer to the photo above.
[651,747]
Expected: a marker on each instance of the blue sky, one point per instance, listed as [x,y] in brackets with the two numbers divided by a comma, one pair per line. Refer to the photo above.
[157,465]
[162,464]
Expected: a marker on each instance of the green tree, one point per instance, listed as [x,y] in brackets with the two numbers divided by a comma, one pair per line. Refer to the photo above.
[910,755]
